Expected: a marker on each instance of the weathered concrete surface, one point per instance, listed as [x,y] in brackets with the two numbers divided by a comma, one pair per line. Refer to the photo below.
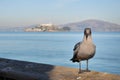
[21,70]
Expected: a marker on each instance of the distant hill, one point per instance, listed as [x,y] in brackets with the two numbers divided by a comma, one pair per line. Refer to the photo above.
[96,25]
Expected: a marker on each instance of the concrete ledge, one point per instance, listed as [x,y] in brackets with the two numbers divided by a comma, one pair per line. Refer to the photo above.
[21,70]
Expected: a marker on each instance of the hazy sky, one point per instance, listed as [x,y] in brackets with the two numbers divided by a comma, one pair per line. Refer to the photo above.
[28,12]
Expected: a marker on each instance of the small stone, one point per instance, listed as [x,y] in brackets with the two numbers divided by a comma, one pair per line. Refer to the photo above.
[78,78]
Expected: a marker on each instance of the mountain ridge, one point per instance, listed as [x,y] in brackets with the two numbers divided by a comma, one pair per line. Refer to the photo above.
[96,25]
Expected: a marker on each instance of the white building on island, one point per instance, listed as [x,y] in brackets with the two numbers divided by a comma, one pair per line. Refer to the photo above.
[42,27]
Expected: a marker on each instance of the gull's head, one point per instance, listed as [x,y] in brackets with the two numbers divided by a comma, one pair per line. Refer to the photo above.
[87,32]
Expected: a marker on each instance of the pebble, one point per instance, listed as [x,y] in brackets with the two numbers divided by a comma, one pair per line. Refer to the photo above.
[78,78]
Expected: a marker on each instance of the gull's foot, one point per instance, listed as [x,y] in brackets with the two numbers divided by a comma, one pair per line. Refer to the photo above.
[88,70]
[82,71]
[79,72]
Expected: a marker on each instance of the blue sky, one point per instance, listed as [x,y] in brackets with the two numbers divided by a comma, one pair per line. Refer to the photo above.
[28,12]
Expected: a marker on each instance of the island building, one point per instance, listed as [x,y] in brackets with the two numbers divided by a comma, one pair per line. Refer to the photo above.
[42,28]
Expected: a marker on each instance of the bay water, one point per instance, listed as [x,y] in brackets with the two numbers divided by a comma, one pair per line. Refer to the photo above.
[56,48]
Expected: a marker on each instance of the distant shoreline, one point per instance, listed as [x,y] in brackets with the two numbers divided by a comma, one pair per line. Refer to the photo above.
[95,25]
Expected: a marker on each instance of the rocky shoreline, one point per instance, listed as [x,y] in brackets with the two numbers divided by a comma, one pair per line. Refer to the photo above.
[22,70]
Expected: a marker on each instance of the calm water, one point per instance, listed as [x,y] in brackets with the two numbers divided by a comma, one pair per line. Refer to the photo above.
[56,49]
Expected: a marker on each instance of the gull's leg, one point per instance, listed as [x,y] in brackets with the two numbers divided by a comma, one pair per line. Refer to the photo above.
[80,67]
[87,67]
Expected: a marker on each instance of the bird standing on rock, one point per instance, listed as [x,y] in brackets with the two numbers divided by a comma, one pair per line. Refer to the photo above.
[84,50]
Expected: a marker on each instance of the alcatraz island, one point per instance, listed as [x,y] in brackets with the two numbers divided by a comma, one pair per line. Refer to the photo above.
[46,28]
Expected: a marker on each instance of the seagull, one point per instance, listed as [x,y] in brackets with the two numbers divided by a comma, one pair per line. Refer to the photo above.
[84,50]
